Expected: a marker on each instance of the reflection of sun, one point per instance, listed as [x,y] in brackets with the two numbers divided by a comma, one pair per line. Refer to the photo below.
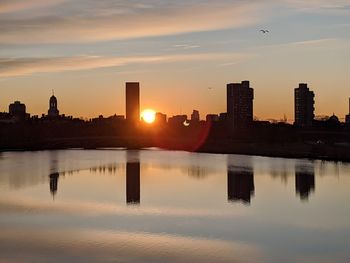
[148,116]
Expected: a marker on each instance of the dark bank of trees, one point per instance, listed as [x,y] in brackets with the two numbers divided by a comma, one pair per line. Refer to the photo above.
[284,140]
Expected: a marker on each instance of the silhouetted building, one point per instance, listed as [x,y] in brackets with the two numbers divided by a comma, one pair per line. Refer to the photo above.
[17,110]
[333,122]
[54,183]
[240,98]
[304,182]
[304,106]
[212,118]
[240,185]
[160,118]
[133,182]
[223,117]
[177,120]
[53,111]
[195,116]
[347,117]
[114,119]
[132,92]
[5,117]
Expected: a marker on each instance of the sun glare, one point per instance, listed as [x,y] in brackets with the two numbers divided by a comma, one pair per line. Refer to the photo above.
[148,116]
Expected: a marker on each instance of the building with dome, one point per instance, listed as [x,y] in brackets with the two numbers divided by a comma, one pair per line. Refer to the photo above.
[53,111]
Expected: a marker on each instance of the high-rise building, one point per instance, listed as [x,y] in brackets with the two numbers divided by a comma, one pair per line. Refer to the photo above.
[132,93]
[53,109]
[347,118]
[240,98]
[304,106]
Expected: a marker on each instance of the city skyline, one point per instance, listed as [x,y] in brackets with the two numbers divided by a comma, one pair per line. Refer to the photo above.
[183,53]
[239,108]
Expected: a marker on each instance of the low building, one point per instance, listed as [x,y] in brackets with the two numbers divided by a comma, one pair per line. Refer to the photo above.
[177,120]
[160,118]
[195,116]
[17,111]
[212,118]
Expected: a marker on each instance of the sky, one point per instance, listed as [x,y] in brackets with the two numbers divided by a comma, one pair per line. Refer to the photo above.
[182,52]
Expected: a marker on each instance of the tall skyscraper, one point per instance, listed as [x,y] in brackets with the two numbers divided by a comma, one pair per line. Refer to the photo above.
[53,110]
[347,118]
[304,106]
[240,98]
[132,93]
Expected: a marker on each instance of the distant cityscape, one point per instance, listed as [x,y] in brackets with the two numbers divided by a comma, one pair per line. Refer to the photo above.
[239,114]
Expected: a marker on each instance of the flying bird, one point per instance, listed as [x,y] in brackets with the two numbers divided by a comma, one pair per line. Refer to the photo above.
[264,31]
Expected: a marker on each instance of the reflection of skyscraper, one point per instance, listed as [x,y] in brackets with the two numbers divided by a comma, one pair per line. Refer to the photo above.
[304,181]
[133,182]
[240,104]
[240,185]
[54,183]
[132,93]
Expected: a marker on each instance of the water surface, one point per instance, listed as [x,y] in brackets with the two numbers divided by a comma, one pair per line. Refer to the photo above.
[160,206]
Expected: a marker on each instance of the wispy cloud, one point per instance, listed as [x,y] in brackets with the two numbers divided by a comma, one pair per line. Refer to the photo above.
[102,20]
[9,6]
[335,6]
[10,67]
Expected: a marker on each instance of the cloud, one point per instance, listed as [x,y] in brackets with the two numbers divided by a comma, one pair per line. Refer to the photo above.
[103,20]
[10,67]
[334,6]
[9,6]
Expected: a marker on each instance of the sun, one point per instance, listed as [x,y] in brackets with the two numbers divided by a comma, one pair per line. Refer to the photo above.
[148,116]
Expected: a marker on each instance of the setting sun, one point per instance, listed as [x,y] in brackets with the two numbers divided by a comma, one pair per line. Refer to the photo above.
[148,116]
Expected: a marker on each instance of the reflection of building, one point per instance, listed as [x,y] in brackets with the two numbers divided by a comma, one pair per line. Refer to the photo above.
[54,183]
[132,93]
[304,182]
[133,182]
[304,106]
[240,185]
[53,111]
[240,104]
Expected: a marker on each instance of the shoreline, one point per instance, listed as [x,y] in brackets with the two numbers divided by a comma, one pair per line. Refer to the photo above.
[308,151]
